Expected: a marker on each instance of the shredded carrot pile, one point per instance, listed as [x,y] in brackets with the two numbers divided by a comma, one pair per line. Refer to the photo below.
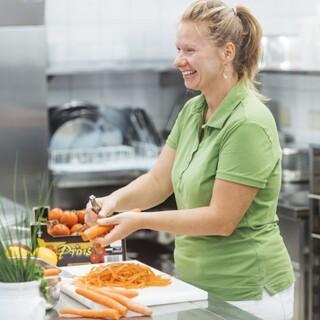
[126,275]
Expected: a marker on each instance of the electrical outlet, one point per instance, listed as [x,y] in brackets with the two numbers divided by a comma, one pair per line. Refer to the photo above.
[314,119]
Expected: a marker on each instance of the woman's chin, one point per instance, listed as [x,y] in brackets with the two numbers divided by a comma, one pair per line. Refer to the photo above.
[191,86]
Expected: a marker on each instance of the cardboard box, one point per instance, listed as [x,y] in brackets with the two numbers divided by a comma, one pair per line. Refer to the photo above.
[72,250]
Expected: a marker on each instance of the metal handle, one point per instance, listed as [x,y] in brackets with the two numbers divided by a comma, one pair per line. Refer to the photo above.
[95,205]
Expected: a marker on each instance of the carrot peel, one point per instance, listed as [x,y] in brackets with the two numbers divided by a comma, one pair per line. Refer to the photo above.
[125,275]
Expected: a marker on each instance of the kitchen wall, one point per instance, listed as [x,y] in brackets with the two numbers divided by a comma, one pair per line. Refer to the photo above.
[297,98]
[86,32]
[91,30]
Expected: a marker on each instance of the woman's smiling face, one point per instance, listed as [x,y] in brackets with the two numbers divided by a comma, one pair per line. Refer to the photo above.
[199,61]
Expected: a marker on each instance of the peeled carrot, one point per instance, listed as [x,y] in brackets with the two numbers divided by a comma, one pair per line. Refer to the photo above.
[125,292]
[51,272]
[131,305]
[102,299]
[98,230]
[91,313]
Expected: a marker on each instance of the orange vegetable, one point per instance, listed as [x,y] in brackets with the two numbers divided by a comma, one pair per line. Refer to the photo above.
[95,231]
[91,313]
[51,272]
[129,293]
[69,218]
[81,215]
[101,299]
[76,227]
[125,292]
[99,230]
[58,230]
[131,305]
[55,214]
[120,274]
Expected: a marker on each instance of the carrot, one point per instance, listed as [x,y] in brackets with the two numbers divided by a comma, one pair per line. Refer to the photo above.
[91,313]
[98,230]
[125,292]
[95,231]
[131,305]
[51,272]
[101,299]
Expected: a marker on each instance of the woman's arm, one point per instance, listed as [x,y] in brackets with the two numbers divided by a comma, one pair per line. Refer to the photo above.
[229,203]
[144,192]
[151,188]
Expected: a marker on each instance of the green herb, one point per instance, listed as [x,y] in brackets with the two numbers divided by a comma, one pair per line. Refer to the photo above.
[17,264]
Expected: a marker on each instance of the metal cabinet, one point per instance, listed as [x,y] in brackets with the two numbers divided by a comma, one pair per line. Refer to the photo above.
[294,226]
[314,239]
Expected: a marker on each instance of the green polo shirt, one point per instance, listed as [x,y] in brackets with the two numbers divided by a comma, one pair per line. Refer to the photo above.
[239,143]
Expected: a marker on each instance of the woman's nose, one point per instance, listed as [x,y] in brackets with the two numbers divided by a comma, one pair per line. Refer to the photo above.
[179,61]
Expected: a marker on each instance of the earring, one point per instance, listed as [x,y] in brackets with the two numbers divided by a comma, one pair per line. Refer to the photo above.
[224,74]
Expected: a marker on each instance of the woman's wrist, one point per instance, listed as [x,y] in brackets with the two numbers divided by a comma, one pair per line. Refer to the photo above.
[144,218]
[114,199]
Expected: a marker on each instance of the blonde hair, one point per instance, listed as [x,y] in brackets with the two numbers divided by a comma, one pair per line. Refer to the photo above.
[237,25]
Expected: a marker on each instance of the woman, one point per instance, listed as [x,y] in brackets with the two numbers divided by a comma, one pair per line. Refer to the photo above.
[222,160]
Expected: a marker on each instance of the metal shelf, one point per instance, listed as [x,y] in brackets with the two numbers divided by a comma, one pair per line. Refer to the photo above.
[134,65]
[315,236]
[314,196]
[290,71]
[89,67]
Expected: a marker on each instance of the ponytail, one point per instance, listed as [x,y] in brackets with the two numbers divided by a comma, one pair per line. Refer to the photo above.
[249,48]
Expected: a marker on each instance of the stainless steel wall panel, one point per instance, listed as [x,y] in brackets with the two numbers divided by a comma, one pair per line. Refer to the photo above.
[23,115]
[21,12]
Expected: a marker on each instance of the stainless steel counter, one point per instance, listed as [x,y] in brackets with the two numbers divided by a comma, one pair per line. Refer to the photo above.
[213,309]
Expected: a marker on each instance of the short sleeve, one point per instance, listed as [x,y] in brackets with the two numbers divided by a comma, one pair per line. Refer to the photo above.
[248,156]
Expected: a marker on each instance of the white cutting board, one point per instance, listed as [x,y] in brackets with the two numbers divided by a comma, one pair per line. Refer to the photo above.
[177,291]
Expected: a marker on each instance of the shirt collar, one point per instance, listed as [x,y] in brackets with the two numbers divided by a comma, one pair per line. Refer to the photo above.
[236,94]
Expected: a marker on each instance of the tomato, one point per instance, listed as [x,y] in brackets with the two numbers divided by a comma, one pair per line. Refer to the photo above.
[98,250]
[94,258]
[76,227]
[55,214]
[81,214]
[59,230]
[69,218]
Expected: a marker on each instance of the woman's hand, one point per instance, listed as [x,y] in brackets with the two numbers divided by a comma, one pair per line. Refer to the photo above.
[108,205]
[124,224]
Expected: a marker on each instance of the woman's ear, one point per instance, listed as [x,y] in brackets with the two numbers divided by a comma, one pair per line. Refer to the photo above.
[229,52]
